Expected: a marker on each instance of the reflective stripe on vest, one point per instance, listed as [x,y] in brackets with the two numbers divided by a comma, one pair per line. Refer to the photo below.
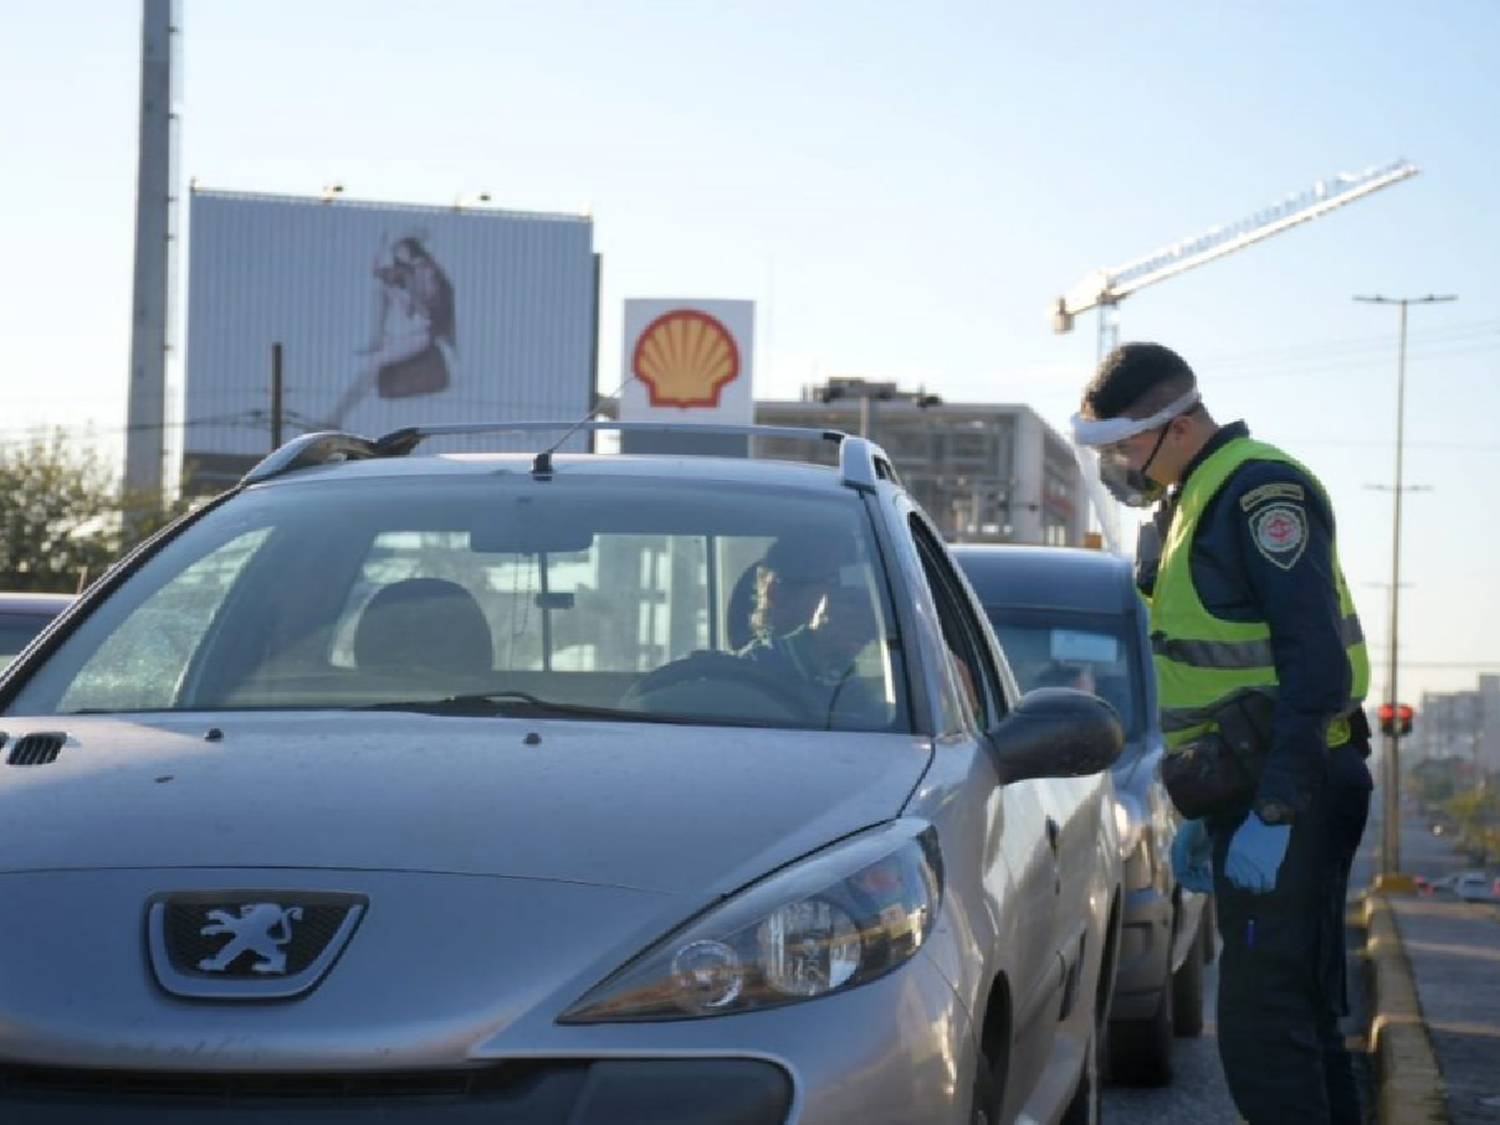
[1238,654]
[1203,661]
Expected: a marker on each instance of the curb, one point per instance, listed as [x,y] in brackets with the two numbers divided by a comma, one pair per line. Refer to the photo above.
[1408,1083]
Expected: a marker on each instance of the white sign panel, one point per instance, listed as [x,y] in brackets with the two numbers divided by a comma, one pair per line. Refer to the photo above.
[688,361]
[387,316]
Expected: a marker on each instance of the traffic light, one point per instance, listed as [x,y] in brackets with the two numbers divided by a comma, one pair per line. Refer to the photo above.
[1395,720]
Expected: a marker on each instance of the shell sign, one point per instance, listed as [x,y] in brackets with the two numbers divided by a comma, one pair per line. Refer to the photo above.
[688,360]
[685,357]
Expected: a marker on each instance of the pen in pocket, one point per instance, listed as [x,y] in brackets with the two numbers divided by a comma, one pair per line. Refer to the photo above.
[1250,934]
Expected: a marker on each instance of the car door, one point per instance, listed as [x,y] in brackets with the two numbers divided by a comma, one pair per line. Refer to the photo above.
[1023,877]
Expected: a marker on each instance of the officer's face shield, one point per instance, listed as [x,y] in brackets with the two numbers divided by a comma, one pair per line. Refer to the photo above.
[1121,450]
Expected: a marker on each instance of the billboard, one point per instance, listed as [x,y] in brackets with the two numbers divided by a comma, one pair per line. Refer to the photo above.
[687,361]
[386,315]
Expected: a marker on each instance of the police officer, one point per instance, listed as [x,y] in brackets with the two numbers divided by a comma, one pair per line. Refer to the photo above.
[1248,604]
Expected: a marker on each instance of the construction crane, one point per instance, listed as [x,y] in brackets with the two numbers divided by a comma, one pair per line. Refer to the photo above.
[1104,289]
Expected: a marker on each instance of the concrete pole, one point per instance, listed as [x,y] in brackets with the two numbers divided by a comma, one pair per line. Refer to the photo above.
[155,248]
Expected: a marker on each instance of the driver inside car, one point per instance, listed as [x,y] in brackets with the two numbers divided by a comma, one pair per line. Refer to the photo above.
[823,654]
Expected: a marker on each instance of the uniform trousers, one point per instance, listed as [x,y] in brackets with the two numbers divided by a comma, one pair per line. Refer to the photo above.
[1283,969]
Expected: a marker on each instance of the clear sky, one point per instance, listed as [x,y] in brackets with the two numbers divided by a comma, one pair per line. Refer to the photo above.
[902,188]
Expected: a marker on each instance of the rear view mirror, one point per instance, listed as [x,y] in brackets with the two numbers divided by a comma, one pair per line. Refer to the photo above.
[1057,732]
[524,527]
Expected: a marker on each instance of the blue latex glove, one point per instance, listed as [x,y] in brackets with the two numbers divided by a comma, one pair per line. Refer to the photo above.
[1255,855]
[1192,856]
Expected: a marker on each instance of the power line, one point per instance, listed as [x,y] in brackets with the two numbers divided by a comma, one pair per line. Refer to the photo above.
[1479,328]
[1347,364]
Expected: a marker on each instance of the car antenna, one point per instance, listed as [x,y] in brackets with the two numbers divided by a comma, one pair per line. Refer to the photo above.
[541,468]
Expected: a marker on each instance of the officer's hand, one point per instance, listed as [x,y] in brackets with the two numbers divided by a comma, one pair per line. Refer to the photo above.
[1192,856]
[1255,855]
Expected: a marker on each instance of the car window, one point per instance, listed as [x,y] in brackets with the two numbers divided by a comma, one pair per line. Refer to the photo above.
[961,632]
[138,664]
[17,631]
[1063,648]
[581,591]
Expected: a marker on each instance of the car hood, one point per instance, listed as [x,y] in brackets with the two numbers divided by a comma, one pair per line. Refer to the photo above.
[649,806]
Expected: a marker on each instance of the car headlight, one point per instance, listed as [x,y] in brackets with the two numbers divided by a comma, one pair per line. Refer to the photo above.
[1130,823]
[841,918]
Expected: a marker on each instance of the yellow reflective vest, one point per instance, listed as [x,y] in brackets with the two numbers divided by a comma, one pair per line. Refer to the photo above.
[1203,661]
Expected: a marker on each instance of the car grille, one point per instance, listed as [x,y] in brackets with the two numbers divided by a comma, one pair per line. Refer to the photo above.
[28,1081]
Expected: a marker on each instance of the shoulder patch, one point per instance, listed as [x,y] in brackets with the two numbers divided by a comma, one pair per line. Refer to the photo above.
[1280,533]
[1281,490]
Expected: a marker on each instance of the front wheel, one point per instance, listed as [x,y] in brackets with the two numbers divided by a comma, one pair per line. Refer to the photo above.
[984,1103]
[1187,989]
[1085,1108]
[1141,1050]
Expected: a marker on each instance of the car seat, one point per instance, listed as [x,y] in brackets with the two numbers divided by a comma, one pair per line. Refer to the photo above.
[424,625]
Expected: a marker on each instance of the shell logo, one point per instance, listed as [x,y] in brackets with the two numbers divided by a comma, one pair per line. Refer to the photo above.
[686,358]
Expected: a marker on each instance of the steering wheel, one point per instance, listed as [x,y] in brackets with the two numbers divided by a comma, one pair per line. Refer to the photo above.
[706,666]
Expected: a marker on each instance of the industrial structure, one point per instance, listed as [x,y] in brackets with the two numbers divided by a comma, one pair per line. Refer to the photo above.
[984,472]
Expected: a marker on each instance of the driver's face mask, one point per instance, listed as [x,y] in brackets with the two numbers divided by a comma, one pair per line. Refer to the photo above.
[1109,438]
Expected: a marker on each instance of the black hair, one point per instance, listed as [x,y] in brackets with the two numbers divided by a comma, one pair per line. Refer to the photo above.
[412,245]
[1136,380]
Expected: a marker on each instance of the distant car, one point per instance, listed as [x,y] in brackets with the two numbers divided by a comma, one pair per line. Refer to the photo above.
[1069,617]
[23,616]
[1471,886]
[426,788]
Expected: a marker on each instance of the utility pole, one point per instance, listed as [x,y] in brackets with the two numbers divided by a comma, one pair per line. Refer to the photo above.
[276,397]
[1390,839]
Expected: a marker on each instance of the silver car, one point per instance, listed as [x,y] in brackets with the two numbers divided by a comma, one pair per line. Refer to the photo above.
[431,788]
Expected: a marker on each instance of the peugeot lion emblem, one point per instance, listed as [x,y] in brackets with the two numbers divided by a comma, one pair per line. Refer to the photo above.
[261,928]
[248,945]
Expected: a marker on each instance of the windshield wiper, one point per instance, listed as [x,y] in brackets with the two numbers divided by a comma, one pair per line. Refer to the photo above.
[514,703]
[523,703]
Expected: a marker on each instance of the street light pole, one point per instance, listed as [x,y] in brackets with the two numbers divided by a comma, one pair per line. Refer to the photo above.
[1390,838]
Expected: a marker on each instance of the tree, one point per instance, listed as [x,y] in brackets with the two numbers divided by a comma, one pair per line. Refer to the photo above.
[63,519]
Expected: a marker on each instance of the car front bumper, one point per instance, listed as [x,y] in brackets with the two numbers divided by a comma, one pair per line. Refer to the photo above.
[898,1050]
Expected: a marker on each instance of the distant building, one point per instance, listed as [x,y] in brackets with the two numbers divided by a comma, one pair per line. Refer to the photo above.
[1462,724]
[984,472]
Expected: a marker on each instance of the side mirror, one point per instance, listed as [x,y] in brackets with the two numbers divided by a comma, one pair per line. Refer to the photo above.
[1057,732]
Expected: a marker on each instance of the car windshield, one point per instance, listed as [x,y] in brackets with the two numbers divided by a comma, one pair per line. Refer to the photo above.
[586,595]
[1060,648]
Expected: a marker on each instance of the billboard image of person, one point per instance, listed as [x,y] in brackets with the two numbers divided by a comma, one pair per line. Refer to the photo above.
[413,343]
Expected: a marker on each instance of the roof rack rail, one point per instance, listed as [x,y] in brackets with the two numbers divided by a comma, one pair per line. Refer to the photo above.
[862,463]
[312,449]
